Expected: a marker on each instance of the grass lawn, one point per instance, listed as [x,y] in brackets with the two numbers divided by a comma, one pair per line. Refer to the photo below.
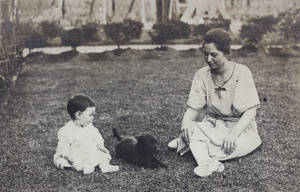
[143,91]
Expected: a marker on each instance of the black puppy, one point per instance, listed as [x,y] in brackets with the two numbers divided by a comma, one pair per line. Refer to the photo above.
[139,150]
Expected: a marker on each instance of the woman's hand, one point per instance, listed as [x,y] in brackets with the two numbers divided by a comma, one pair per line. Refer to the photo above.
[187,128]
[187,132]
[229,144]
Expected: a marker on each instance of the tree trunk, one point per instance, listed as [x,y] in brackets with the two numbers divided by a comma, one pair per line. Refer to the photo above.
[92,7]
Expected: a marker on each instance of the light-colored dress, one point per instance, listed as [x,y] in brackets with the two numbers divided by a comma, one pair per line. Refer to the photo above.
[79,147]
[226,103]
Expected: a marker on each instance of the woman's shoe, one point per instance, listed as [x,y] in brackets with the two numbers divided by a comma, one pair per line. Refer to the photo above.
[173,144]
[208,167]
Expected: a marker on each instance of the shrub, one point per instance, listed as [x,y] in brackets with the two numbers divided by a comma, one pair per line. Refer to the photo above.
[115,32]
[161,34]
[266,23]
[123,32]
[180,29]
[73,38]
[50,29]
[289,25]
[169,30]
[253,32]
[201,29]
[219,23]
[90,32]
[134,28]
[35,40]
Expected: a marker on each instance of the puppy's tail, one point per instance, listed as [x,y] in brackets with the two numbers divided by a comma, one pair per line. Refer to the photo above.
[117,136]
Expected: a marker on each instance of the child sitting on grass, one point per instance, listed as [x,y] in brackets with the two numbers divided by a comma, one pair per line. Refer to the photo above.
[80,144]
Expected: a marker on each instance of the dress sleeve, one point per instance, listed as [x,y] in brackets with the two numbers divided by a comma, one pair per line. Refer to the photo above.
[197,96]
[246,95]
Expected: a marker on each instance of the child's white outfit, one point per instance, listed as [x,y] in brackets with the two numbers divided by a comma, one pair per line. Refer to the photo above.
[82,148]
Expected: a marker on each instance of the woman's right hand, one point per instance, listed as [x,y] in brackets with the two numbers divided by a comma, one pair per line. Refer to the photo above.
[187,128]
[185,134]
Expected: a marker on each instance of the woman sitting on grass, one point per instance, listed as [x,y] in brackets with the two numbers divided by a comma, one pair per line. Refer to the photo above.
[227,92]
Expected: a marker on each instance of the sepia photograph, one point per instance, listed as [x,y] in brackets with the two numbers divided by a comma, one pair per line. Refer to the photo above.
[149,95]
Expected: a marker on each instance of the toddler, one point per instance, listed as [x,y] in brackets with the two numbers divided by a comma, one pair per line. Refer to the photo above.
[80,144]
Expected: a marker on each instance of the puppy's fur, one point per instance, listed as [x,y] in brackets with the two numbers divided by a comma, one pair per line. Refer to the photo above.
[139,150]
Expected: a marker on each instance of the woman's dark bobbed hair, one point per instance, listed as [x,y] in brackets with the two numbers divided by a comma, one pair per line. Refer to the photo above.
[220,38]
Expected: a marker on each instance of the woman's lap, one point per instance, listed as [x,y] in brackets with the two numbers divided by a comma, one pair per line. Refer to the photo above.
[247,142]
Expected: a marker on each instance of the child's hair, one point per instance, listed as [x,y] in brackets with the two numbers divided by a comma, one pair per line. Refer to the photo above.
[79,102]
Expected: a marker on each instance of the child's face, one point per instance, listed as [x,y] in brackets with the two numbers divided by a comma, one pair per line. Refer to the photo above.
[86,117]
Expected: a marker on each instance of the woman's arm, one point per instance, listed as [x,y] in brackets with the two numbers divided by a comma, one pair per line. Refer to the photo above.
[186,128]
[235,132]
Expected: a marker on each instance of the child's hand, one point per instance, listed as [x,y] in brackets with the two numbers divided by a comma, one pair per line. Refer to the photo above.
[104,150]
[69,160]
[63,162]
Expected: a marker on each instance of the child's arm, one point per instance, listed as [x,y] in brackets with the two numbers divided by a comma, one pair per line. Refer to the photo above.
[100,144]
[102,148]
[61,158]
[98,139]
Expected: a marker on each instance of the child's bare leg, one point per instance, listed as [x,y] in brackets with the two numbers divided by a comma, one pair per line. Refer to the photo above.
[88,169]
[109,168]
[106,167]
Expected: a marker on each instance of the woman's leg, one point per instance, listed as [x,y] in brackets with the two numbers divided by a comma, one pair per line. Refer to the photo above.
[199,151]
[206,165]
[247,142]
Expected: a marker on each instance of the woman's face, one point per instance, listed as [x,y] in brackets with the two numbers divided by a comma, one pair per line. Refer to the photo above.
[213,57]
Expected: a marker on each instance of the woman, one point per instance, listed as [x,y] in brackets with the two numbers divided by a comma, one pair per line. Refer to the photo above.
[227,92]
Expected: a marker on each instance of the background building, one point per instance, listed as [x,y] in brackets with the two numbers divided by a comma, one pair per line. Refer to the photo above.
[73,12]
